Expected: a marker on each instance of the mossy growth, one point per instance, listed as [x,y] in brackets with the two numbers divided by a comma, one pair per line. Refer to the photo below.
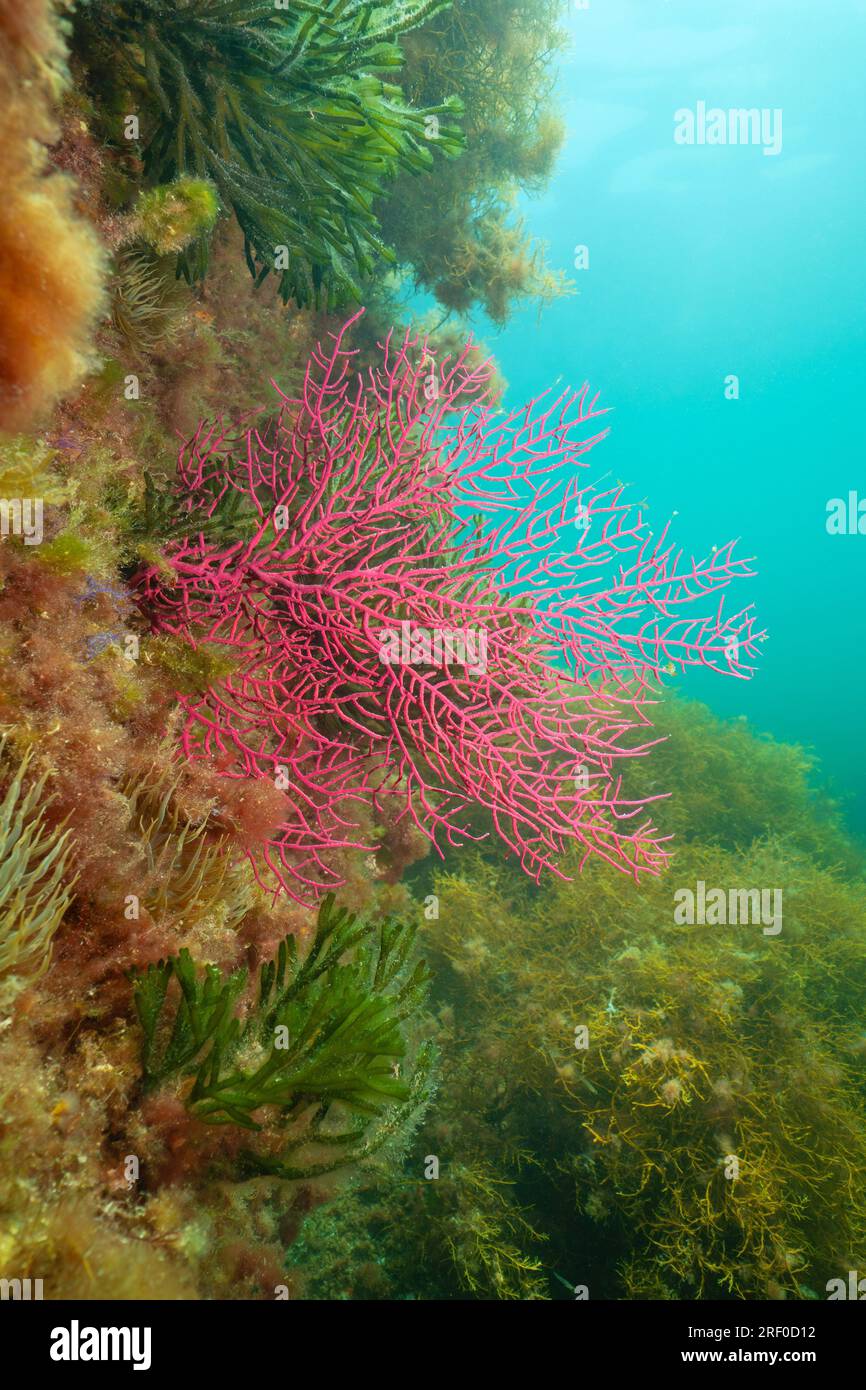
[68,553]
[192,670]
[173,215]
[312,1067]
[27,470]
[52,265]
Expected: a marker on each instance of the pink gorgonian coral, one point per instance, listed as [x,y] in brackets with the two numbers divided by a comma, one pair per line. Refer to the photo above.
[429,610]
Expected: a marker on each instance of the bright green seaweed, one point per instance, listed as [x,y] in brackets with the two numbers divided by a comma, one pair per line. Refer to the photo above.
[326,1032]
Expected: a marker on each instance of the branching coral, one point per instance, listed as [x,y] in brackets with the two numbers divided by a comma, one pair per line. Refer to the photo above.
[357,556]
[283,108]
[324,1036]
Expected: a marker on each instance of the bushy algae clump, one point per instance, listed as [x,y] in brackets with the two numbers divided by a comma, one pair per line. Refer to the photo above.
[171,216]
[660,1110]
[457,229]
[52,267]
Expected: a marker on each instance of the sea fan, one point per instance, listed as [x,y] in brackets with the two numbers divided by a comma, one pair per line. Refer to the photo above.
[393,653]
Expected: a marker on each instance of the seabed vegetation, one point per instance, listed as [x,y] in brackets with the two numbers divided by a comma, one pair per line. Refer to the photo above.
[321,972]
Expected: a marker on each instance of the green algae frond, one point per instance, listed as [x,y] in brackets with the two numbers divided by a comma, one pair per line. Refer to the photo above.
[288,113]
[323,1043]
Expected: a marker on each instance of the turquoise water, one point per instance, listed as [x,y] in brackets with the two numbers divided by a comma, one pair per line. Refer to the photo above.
[710,261]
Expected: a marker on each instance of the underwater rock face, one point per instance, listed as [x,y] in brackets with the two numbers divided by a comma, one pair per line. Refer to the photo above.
[287,111]
[377,920]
